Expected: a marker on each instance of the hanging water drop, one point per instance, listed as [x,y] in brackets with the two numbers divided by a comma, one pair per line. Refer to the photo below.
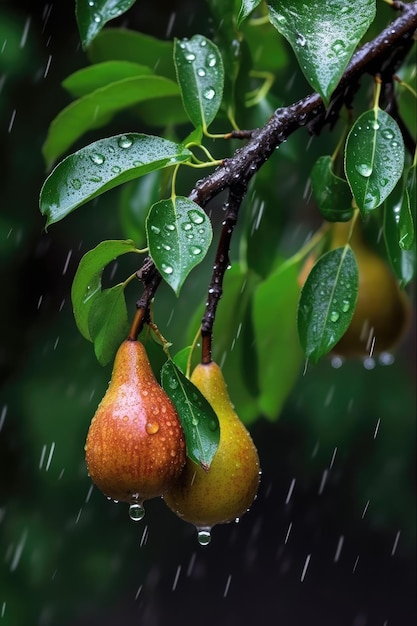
[136,512]
[204,535]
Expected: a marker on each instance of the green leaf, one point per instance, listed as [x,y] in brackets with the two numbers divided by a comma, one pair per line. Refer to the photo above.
[108,322]
[93,15]
[402,261]
[179,234]
[96,108]
[323,35]
[94,77]
[103,165]
[200,76]
[136,198]
[126,45]
[374,158]
[406,226]
[327,302]
[276,339]
[246,9]
[86,286]
[332,194]
[198,419]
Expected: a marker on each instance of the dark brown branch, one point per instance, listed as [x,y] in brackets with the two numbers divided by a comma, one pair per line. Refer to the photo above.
[382,56]
[236,194]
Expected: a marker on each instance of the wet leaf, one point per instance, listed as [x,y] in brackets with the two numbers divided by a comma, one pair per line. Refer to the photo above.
[402,261]
[406,226]
[374,158]
[246,9]
[103,165]
[179,234]
[86,286]
[200,75]
[332,194]
[94,77]
[136,198]
[92,15]
[327,302]
[279,355]
[198,419]
[108,322]
[323,35]
[96,109]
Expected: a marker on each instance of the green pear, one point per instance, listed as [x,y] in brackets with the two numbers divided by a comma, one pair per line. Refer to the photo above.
[228,488]
[135,446]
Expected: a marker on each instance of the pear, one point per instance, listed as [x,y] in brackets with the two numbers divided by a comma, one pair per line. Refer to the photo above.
[382,312]
[228,488]
[135,446]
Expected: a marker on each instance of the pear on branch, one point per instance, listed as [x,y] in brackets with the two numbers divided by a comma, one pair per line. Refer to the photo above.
[135,446]
[228,488]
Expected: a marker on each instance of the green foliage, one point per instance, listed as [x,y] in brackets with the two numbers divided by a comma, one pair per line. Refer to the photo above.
[332,194]
[93,15]
[199,421]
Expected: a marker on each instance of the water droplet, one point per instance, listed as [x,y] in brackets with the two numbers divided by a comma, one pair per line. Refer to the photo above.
[364,170]
[201,72]
[301,40]
[334,316]
[116,169]
[173,383]
[211,60]
[166,247]
[90,3]
[375,125]
[190,56]
[97,158]
[203,43]
[338,47]
[345,306]
[186,226]
[95,179]
[371,200]
[97,18]
[136,512]
[152,428]
[195,216]
[195,420]
[369,363]
[213,425]
[394,144]
[386,358]
[387,133]
[76,183]
[204,535]
[125,141]
[195,250]
[155,229]
[337,361]
[209,93]
[169,227]
[168,269]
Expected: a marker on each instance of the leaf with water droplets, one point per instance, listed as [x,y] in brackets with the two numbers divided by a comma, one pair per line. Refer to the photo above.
[374,158]
[327,302]
[98,107]
[198,419]
[103,165]
[323,35]
[403,261]
[86,286]
[200,75]
[179,234]
[246,9]
[92,15]
[332,194]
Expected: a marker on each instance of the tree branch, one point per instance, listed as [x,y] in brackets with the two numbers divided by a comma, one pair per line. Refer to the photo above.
[383,55]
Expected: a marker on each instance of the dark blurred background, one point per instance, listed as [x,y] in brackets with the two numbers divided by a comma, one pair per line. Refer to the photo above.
[330,539]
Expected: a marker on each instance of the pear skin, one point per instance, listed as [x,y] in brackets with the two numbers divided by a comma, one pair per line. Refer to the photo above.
[135,446]
[382,313]
[228,488]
